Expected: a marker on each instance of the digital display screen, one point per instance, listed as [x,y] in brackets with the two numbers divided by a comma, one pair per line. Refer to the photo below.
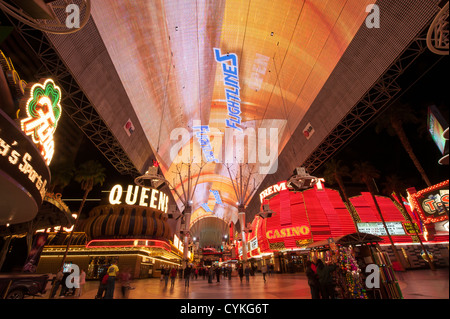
[436,127]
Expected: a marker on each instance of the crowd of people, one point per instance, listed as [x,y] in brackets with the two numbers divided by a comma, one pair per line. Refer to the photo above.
[110,276]
[209,273]
[320,279]
[73,286]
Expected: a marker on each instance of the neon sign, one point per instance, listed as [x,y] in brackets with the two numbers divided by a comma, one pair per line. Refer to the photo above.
[231,80]
[25,166]
[431,203]
[148,197]
[43,109]
[272,189]
[288,232]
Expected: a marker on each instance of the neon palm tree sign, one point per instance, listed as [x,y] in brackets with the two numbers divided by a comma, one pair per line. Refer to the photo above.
[43,111]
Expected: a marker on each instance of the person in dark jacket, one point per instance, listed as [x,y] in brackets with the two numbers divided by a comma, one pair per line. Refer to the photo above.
[241,272]
[325,273]
[313,280]
[101,286]
[187,275]
[218,271]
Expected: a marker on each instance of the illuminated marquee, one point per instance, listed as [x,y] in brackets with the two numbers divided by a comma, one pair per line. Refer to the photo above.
[432,203]
[142,196]
[377,229]
[43,111]
[231,79]
[281,186]
[272,190]
[288,232]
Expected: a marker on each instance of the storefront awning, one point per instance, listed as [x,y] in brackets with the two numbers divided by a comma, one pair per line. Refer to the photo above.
[350,239]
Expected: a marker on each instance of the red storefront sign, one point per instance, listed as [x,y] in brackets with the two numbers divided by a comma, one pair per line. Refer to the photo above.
[431,203]
[300,218]
[368,214]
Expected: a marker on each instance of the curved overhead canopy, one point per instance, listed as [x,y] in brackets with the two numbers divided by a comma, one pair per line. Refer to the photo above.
[164,55]
[297,65]
[209,231]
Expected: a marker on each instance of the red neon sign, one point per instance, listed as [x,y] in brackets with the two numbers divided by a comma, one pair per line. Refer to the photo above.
[431,203]
[124,243]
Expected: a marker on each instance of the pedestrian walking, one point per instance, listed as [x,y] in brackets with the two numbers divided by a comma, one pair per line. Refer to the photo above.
[325,274]
[112,271]
[102,284]
[57,283]
[210,275]
[264,271]
[241,272]
[247,273]
[81,283]
[173,276]
[165,275]
[313,280]
[64,288]
[187,275]
[218,271]
[125,283]
[270,268]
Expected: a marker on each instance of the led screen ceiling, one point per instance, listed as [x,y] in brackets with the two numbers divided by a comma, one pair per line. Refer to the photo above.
[271,60]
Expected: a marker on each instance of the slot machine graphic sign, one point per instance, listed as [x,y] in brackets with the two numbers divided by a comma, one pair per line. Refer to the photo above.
[432,203]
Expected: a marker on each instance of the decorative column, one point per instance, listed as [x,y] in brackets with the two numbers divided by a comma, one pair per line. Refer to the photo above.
[241,216]
[240,186]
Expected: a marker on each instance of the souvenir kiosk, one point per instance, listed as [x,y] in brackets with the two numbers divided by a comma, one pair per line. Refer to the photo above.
[354,254]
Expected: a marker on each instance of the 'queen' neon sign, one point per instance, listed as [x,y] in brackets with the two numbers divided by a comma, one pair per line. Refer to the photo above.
[43,111]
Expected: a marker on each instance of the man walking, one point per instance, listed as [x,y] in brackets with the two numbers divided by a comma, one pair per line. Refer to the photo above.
[112,272]
[264,271]
[58,282]
[187,275]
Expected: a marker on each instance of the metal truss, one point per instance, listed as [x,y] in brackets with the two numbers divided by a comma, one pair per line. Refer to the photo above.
[437,37]
[376,99]
[76,103]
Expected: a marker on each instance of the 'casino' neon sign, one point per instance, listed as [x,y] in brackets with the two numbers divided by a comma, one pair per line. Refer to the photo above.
[231,80]
[288,232]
